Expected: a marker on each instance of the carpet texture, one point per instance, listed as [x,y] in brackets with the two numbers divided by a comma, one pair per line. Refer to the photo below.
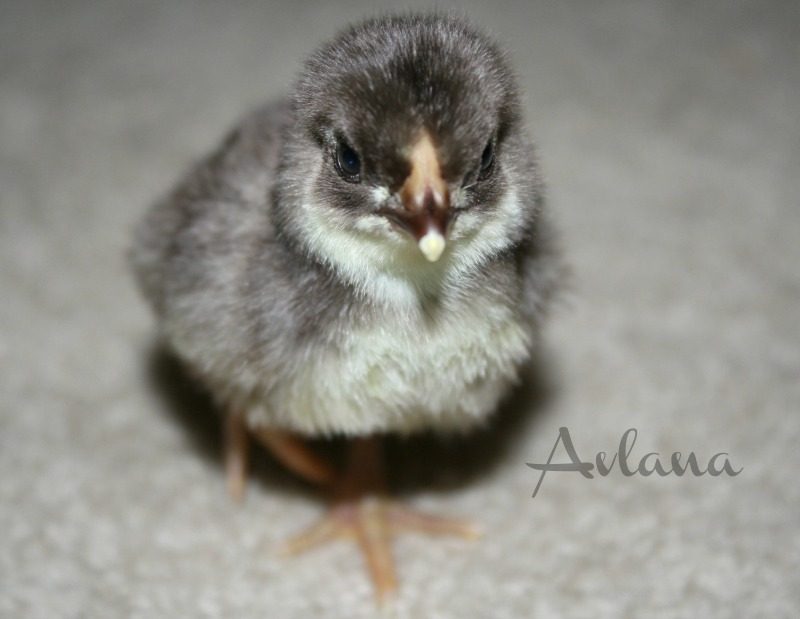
[670,137]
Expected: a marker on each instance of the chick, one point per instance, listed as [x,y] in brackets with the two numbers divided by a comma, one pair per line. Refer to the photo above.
[369,255]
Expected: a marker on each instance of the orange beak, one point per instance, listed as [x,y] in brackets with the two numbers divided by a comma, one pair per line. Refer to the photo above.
[426,200]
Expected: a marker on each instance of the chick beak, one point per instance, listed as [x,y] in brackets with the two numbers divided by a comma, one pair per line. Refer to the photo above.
[426,201]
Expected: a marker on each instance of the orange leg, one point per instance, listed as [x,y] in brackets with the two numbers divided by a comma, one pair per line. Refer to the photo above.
[295,455]
[237,449]
[362,512]
[287,449]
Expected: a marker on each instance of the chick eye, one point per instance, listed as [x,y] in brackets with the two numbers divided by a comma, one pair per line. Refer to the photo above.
[348,163]
[487,161]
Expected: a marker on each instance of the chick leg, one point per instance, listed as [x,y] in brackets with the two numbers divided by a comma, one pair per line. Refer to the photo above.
[237,447]
[295,455]
[288,449]
[361,511]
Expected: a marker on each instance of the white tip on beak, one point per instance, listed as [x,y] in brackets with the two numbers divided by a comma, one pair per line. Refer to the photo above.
[432,245]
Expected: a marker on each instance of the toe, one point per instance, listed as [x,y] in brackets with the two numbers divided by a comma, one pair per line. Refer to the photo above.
[374,538]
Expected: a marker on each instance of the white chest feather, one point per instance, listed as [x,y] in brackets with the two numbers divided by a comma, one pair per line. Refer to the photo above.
[407,373]
[406,370]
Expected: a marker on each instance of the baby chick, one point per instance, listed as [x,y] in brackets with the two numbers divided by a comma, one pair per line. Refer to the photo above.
[369,255]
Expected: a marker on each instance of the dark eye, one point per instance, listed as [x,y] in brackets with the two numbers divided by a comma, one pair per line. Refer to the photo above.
[348,162]
[487,160]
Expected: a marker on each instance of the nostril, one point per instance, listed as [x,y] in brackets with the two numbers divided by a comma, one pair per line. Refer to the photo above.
[429,200]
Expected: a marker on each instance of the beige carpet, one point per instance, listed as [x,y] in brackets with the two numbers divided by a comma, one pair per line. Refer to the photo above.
[670,135]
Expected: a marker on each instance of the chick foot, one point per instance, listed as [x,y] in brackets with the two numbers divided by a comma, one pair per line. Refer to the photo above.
[372,523]
[361,512]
